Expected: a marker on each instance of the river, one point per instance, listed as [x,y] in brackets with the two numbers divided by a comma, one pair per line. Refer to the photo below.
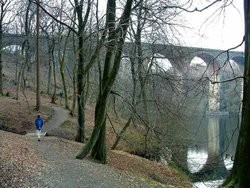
[196,159]
[213,150]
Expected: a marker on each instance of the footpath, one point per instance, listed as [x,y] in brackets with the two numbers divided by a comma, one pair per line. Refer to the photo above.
[60,168]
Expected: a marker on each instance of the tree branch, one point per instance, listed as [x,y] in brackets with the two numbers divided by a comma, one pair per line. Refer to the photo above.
[54,18]
[194,10]
[224,81]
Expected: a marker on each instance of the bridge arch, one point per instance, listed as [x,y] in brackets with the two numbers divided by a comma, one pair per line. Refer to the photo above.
[197,67]
[240,62]
[161,63]
[210,60]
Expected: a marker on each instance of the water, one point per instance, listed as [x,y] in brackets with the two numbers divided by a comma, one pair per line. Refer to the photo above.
[196,159]
[208,184]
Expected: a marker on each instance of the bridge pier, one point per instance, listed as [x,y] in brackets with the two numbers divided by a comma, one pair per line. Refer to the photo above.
[215,167]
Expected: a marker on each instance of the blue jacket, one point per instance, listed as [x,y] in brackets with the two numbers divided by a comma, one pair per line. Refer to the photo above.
[39,123]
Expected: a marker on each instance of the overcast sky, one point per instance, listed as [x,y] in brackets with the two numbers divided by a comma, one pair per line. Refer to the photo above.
[223,30]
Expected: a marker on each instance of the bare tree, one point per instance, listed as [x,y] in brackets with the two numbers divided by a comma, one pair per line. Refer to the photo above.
[82,10]
[145,17]
[97,141]
[38,99]
[4,8]
[61,55]
[241,169]
[25,48]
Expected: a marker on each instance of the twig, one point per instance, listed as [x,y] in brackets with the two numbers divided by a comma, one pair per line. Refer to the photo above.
[228,80]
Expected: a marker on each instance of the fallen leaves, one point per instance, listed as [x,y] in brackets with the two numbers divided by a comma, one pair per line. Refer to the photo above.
[19,164]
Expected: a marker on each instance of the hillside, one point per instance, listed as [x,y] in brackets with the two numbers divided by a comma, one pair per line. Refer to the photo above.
[26,163]
[21,158]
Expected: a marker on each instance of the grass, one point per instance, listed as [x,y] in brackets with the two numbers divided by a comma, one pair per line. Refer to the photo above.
[179,169]
[66,124]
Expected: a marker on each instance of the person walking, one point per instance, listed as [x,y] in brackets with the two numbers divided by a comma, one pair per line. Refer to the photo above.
[39,125]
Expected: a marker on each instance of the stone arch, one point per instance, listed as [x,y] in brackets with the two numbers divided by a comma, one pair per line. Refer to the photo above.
[161,63]
[12,43]
[197,67]
[240,62]
[12,39]
[231,68]
[232,92]
[210,60]
[11,49]
[18,39]
[196,84]
[12,54]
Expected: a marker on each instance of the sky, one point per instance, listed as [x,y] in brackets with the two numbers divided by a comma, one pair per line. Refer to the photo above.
[223,32]
[220,31]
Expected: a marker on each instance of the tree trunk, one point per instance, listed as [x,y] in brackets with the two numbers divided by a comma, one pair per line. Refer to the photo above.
[81,76]
[38,100]
[240,175]
[53,98]
[133,110]
[100,120]
[73,108]
[27,40]
[119,136]
[1,40]
[99,150]
[1,68]
[50,70]
[64,83]
[62,67]
[116,39]
[49,77]
[80,94]
[20,73]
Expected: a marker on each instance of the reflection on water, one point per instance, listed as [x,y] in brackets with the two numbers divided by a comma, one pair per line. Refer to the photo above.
[228,162]
[197,158]
[215,143]
[208,184]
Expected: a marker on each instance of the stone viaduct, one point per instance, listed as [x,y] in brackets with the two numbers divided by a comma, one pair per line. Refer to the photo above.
[179,56]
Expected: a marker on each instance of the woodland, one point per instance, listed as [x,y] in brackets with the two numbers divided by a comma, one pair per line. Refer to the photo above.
[87,52]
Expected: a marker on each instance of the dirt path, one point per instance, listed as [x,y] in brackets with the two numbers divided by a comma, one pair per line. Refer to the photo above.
[59,116]
[62,170]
